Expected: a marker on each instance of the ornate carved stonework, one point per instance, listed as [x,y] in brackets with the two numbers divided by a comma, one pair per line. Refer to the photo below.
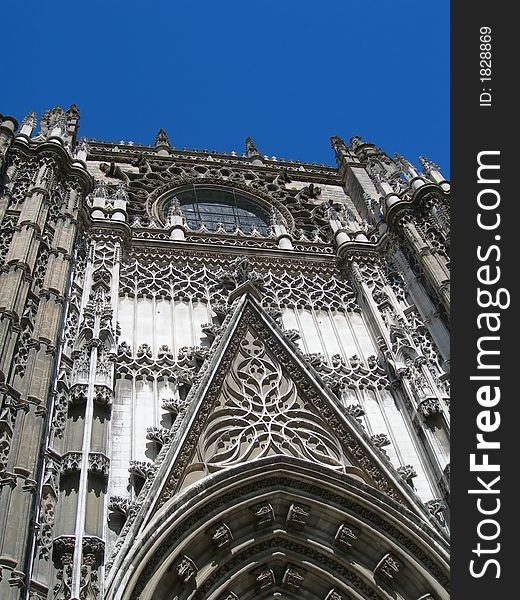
[346,535]
[388,567]
[270,418]
[186,569]
[264,515]
[176,322]
[221,535]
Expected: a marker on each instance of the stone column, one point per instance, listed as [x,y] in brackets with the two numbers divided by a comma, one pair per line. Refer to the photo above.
[8,126]
[81,515]
[435,270]
[415,387]
[50,281]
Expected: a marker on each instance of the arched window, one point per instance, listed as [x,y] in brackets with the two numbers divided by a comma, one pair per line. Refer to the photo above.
[211,206]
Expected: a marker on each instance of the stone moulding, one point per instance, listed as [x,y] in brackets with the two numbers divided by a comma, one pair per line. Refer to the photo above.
[363,503]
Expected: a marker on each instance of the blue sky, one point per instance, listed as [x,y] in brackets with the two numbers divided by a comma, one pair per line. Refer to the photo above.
[289,74]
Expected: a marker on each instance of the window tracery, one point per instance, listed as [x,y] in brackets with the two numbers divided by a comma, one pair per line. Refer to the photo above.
[219,208]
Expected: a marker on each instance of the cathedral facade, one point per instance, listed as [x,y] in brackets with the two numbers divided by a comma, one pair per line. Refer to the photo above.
[223,376]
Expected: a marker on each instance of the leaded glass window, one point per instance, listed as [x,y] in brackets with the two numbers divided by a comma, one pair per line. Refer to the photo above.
[213,206]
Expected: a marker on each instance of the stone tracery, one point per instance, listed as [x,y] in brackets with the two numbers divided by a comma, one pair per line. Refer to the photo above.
[352,282]
[260,414]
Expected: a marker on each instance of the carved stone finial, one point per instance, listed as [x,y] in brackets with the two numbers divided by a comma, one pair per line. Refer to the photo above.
[407,472]
[161,139]
[429,407]
[427,164]
[28,124]
[356,141]
[355,410]
[72,112]
[82,149]
[436,509]
[401,161]
[380,440]
[337,143]
[251,149]
[125,506]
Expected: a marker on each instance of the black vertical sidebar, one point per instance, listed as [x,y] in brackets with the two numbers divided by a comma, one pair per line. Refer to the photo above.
[486,248]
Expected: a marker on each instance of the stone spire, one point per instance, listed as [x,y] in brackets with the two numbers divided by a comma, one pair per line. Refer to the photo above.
[428,165]
[161,139]
[251,149]
[405,166]
[337,144]
[28,124]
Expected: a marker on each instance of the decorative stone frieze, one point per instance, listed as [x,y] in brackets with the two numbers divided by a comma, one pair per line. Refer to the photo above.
[126,318]
[70,462]
[99,463]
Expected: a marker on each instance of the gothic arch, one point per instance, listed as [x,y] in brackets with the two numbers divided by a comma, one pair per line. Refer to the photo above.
[317,531]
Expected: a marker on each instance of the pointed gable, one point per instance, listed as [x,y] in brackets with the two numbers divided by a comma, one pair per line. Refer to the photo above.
[258,397]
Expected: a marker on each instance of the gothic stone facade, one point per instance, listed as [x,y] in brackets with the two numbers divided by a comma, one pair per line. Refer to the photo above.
[222,376]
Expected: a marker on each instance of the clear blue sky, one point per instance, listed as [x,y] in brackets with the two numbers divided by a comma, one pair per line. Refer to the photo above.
[287,73]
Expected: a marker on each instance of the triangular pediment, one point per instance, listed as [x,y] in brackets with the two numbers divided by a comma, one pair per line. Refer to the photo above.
[258,397]
[261,412]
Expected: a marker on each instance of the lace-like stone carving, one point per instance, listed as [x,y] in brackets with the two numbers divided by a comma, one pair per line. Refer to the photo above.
[260,414]
[71,462]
